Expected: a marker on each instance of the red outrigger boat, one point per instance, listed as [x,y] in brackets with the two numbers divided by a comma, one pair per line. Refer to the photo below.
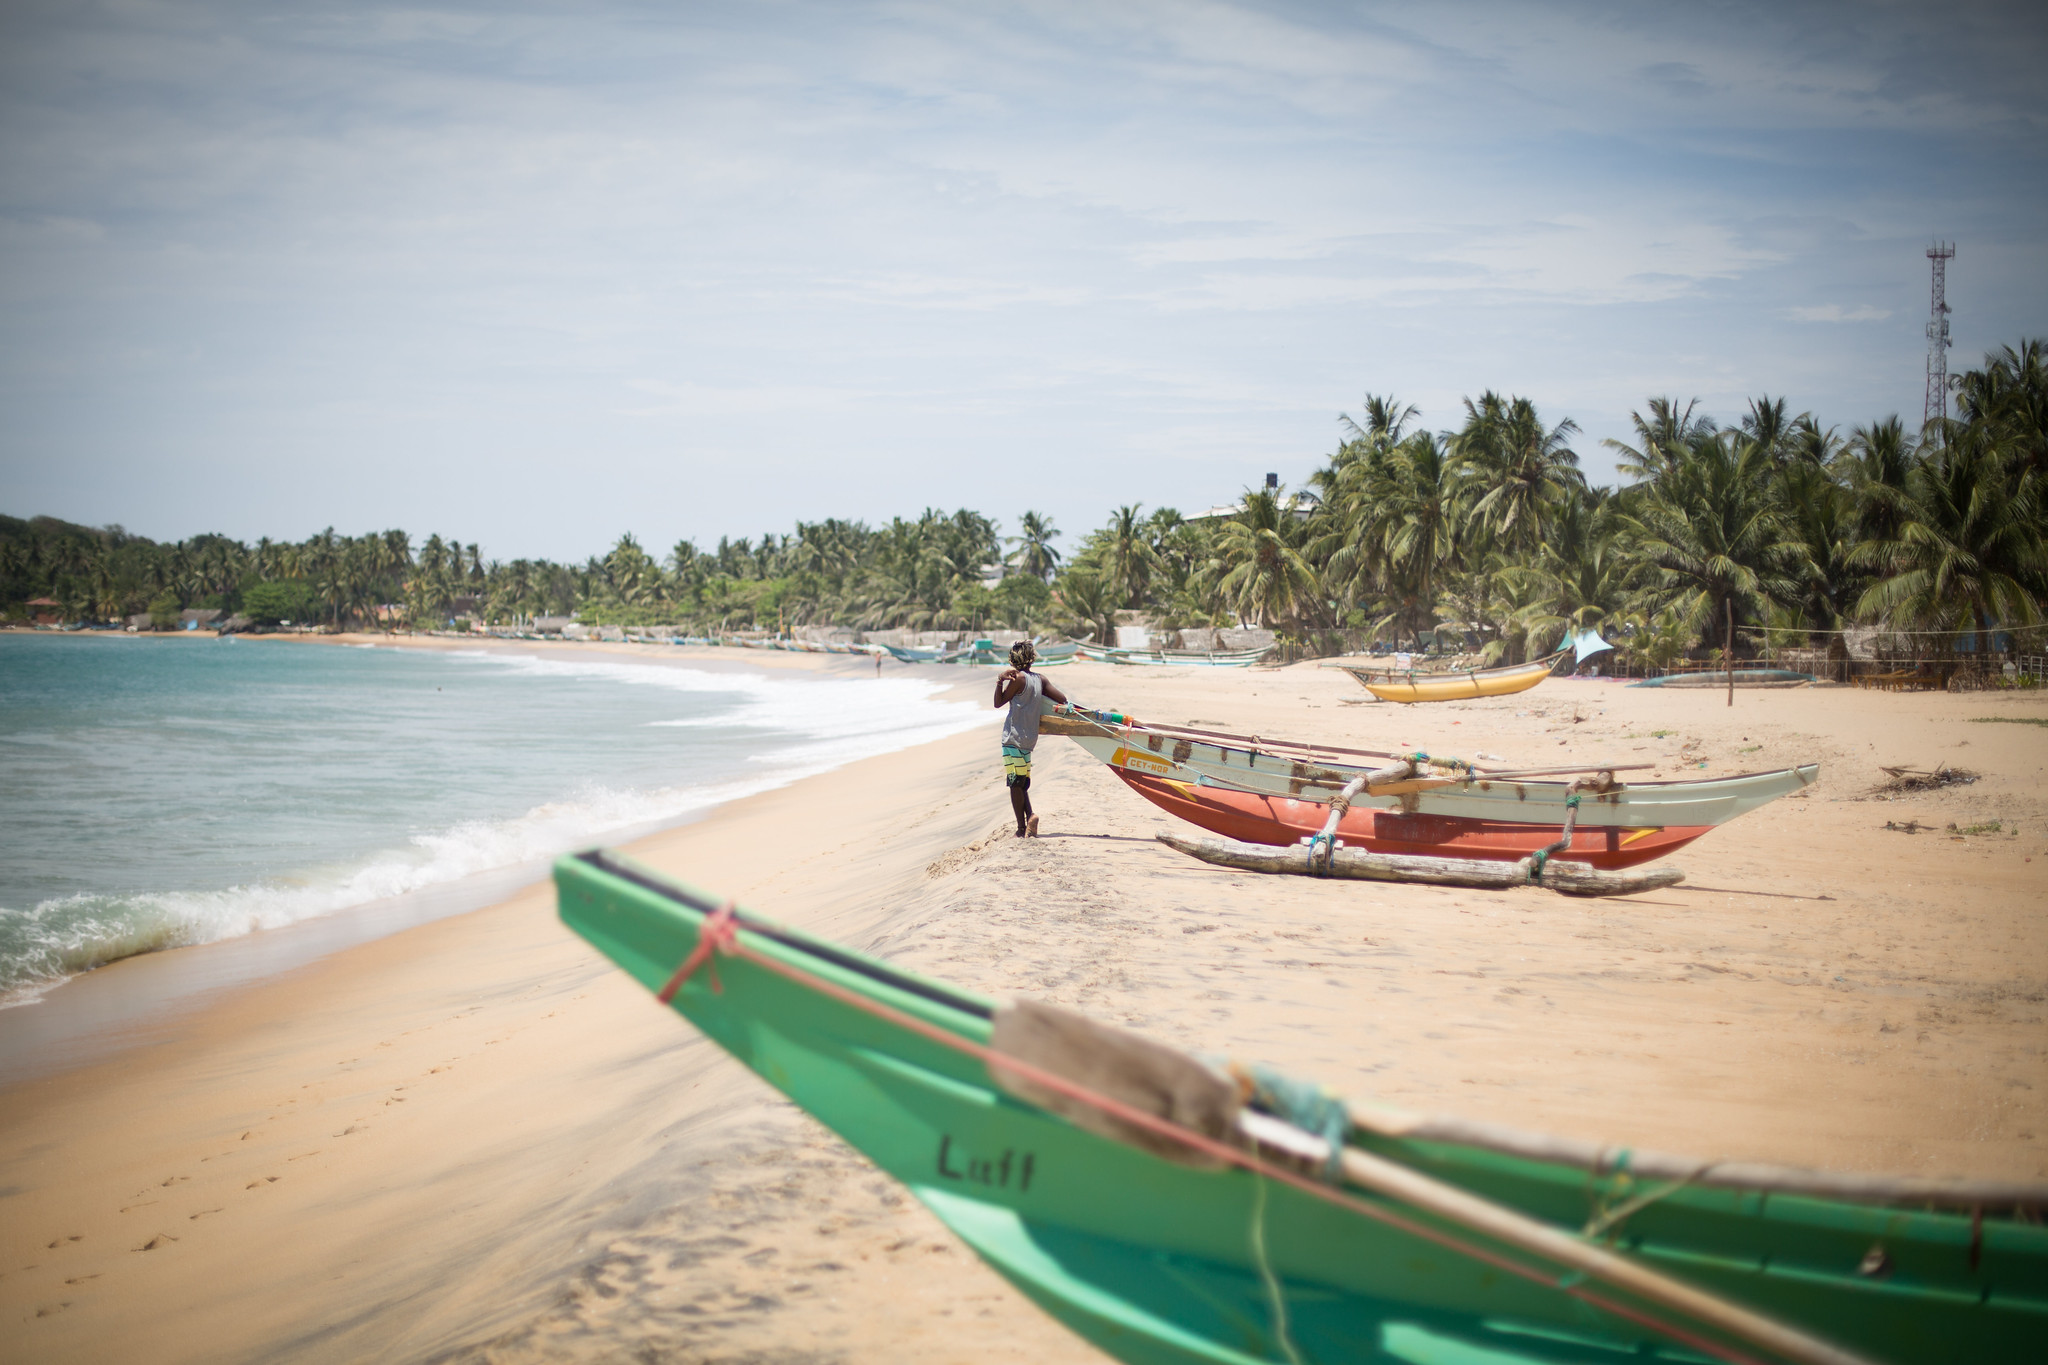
[1255,818]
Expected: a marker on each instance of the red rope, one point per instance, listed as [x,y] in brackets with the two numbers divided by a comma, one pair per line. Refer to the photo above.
[728,942]
[720,931]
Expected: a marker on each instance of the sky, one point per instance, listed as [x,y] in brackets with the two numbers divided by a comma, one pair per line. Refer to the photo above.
[535,275]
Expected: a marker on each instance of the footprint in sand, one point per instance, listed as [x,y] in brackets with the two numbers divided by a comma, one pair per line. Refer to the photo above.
[195,1217]
[259,1184]
[161,1239]
[174,1180]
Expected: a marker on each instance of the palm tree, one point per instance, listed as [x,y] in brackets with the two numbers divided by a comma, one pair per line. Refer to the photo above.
[1386,419]
[1875,469]
[1035,554]
[1660,438]
[1127,556]
[1971,553]
[1714,534]
[1262,576]
[1516,469]
[1408,522]
[1090,607]
[2011,394]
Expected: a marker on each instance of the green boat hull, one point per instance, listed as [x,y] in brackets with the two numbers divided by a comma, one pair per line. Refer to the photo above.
[1155,1262]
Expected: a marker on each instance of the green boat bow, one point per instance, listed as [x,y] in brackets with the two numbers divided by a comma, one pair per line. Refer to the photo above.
[1249,1258]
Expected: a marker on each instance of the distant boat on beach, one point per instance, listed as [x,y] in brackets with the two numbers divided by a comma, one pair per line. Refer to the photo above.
[1410,686]
[1113,654]
[1741,677]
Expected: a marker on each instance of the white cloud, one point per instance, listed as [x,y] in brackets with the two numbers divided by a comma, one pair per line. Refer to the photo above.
[383,249]
[1835,312]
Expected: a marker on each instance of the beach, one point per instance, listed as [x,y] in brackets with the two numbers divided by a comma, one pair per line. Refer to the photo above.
[473,1140]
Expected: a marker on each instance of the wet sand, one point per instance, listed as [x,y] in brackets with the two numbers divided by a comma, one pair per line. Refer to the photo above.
[473,1141]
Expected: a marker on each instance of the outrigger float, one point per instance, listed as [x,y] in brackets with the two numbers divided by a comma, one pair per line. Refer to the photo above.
[1181,1212]
[1277,792]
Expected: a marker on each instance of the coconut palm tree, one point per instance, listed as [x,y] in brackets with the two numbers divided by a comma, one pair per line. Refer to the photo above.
[1516,469]
[1034,554]
[1660,437]
[1261,573]
[1713,534]
[1386,419]
[1971,553]
[1127,556]
[1089,605]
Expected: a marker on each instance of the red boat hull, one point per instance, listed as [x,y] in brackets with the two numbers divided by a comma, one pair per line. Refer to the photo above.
[1257,819]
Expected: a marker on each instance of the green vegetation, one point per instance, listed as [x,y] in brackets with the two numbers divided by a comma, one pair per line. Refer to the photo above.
[1486,538]
[2009,720]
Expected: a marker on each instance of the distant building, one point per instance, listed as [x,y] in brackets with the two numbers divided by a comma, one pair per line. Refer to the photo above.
[1301,504]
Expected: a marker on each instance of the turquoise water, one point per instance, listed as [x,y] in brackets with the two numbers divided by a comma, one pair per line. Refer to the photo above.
[157,793]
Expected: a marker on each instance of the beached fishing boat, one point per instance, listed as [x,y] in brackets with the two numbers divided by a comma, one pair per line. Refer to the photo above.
[1175,1212]
[984,652]
[1404,684]
[1233,658]
[1263,791]
[1460,685]
[916,655]
[1742,677]
[989,653]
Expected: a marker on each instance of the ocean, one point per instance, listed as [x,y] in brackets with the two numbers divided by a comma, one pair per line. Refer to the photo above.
[160,793]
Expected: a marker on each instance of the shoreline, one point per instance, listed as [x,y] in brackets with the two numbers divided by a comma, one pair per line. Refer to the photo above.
[488,1146]
[100,1012]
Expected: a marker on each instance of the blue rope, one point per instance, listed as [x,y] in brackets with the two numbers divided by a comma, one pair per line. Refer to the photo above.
[1308,1106]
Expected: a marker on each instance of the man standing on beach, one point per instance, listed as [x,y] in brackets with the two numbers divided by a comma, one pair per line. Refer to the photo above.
[1019,689]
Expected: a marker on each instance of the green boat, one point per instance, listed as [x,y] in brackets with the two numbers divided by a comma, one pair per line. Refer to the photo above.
[1170,1223]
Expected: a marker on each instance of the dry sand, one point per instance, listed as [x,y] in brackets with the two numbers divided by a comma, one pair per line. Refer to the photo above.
[473,1141]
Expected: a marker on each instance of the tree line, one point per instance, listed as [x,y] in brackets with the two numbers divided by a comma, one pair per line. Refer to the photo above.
[1486,536]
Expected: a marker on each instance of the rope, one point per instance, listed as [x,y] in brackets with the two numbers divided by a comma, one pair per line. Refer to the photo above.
[730,944]
[1308,1106]
[719,931]
[1274,1296]
[1605,1218]
[1320,867]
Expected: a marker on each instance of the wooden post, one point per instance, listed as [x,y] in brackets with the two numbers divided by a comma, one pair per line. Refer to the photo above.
[1728,654]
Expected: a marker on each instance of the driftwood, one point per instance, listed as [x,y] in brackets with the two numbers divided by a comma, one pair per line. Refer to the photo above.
[1573,879]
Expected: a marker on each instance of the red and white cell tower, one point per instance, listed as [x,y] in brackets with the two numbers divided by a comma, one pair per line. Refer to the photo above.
[1937,335]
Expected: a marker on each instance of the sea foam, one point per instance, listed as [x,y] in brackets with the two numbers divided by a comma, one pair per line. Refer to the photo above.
[791,728]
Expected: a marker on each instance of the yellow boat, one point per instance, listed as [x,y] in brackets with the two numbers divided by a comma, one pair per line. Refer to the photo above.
[1405,687]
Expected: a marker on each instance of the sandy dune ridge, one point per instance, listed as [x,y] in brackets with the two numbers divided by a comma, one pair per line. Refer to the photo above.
[473,1141]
